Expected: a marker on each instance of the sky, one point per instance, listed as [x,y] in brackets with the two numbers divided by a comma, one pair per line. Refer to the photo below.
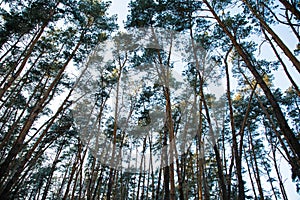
[119,7]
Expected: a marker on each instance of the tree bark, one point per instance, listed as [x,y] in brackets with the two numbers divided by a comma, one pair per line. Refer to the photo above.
[74,167]
[275,37]
[291,8]
[53,167]
[286,130]
[255,165]
[237,150]
[28,54]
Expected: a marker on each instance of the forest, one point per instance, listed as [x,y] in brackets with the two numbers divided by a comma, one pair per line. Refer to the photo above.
[187,99]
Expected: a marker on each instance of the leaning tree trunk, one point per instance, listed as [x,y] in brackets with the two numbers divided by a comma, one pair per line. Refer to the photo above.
[286,130]
[275,37]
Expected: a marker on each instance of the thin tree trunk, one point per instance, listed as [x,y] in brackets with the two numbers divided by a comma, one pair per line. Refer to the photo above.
[282,63]
[112,171]
[283,146]
[55,161]
[236,150]
[158,181]
[291,8]
[13,68]
[286,130]
[18,144]
[79,172]
[27,56]
[166,168]
[275,37]
[199,173]
[75,164]
[172,145]
[255,165]
[281,185]
[151,168]
[144,177]
[270,180]
[215,147]
[28,155]
[250,176]
[92,179]
[141,170]
[64,178]
[200,156]
[12,47]
[98,184]
[20,116]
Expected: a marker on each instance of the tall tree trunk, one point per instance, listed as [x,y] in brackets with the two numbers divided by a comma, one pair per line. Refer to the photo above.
[275,37]
[79,173]
[172,146]
[98,184]
[53,167]
[112,171]
[159,180]
[200,156]
[12,129]
[74,167]
[286,130]
[28,54]
[281,185]
[236,150]
[270,180]
[28,155]
[250,176]
[292,8]
[92,179]
[166,168]
[282,63]
[141,170]
[151,168]
[18,144]
[255,165]
[64,178]
[291,161]
[215,146]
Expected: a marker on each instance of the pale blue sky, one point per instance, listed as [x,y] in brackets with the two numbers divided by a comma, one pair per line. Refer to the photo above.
[119,7]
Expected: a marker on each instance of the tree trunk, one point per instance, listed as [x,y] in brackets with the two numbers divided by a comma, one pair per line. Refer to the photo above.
[98,184]
[286,130]
[159,180]
[281,185]
[55,161]
[250,176]
[141,170]
[28,54]
[18,144]
[270,180]
[282,63]
[236,150]
[166,168]
[292,8]
[255,165]
[275,37]
[74,167]
[272,123]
